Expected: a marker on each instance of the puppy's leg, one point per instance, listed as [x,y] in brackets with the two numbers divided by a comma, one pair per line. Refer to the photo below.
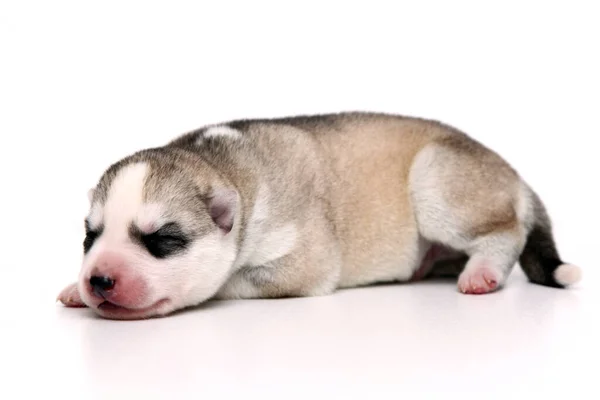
[306,271]
[467,198]
[70,297]
[299,274]
[491,260]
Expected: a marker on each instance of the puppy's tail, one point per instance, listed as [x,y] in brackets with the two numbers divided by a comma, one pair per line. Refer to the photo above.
[540,260]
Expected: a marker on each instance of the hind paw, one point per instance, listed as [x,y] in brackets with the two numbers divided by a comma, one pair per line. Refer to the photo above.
[70,296]
[479,281]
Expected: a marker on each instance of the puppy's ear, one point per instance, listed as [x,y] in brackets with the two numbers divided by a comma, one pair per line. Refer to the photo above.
[90,194]
[222,207]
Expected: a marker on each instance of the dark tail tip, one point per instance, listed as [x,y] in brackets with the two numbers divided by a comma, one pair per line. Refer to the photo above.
[542,264]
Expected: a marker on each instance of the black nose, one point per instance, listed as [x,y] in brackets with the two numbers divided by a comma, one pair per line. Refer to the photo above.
[101,284]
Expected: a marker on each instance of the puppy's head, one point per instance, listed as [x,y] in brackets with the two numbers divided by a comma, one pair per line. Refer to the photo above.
[160,236]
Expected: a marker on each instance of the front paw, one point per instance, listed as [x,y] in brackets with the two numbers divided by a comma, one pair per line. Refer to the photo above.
[70,296]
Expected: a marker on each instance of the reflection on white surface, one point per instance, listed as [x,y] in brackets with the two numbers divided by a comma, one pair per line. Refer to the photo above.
[423,338]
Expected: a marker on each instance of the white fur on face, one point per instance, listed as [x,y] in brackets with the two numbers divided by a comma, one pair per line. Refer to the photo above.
[197,274]
[150,217]
[123,202]
[95,216]
[184,279]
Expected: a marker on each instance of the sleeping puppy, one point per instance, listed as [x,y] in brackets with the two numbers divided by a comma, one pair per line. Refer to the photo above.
[305,205]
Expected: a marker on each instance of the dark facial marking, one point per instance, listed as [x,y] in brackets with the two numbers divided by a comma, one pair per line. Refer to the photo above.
[90,237]
[168,240]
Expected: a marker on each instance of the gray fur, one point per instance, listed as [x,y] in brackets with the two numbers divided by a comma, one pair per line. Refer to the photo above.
[366,193]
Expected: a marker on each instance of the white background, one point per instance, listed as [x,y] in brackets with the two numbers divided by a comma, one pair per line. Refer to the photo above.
[85,83]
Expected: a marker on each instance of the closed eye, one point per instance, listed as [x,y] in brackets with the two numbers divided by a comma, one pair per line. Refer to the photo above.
[90,237]
[164,242]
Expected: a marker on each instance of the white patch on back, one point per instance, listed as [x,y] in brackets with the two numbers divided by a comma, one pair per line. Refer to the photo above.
[223,131]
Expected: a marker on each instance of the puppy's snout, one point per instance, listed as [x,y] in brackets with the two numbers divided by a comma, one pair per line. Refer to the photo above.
[101,284]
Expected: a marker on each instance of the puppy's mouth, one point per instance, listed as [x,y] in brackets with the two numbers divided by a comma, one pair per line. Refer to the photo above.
[107,305]
[115,311]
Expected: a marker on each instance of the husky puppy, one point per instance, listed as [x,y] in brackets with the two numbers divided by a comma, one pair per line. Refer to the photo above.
[301,206]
